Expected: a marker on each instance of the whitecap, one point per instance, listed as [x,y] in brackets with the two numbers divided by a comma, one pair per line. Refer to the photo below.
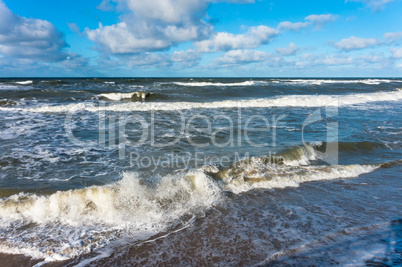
[24,82]
[283,101]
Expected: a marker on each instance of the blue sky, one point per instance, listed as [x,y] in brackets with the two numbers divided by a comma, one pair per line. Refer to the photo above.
[201,38]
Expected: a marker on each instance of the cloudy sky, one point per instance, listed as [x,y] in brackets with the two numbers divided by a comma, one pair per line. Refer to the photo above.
[199,38]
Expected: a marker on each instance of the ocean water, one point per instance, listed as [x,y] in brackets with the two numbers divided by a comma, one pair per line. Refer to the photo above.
[218,171]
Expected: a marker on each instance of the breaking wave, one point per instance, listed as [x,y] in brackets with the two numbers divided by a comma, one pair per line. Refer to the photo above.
[123,96]
[24,82]
[116,96]
[8,86]
[66,224]
[70,223]
[290,82]
[335,81]
[201,84]
[284,101]
[288,168]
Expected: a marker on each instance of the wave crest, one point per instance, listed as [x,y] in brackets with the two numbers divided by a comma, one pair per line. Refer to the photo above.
[288,168]
[66,224]
[130,206]
[284,101]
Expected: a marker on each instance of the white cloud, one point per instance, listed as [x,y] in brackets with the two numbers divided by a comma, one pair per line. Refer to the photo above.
[396,52]
[75,61]
[334,60]
[314,60]
[354,43]
[169,11]
[120,39]
[147,60]
[235,57]
[74,28]
[392,36]
[106,5]
[317,20]
[223,41]
[375,5]
[290,50]
[187,58]
[29,38]
[287,25]
[153,25]
[321,20]
[371,58]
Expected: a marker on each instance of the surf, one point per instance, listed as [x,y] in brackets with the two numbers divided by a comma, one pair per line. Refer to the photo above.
[66,224]
[283,101]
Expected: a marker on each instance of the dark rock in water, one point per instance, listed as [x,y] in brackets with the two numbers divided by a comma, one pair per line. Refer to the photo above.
[140,95]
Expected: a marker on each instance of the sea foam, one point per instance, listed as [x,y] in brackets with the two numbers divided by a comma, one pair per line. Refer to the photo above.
[70,223]
[24,82]
[283,101]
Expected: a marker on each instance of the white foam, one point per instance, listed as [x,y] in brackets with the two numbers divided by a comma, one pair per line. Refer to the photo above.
[117,96]
[292,81]
[24,82]
[329,81]
[195,84]
[109,82]
[293,177]
[8,86]
[74,222]
[283,101]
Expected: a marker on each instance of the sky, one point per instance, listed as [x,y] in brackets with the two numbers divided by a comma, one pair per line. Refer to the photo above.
[200,38]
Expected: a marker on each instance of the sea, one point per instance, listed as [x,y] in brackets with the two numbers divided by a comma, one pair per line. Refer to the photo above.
[201,171]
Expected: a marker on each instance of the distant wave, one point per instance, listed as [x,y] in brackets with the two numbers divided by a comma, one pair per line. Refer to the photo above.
[122,96]
[195,84]
[24,82]
[8,87]
[288,81]
[54,82]
[117,96]
[332,81]
[283,101]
